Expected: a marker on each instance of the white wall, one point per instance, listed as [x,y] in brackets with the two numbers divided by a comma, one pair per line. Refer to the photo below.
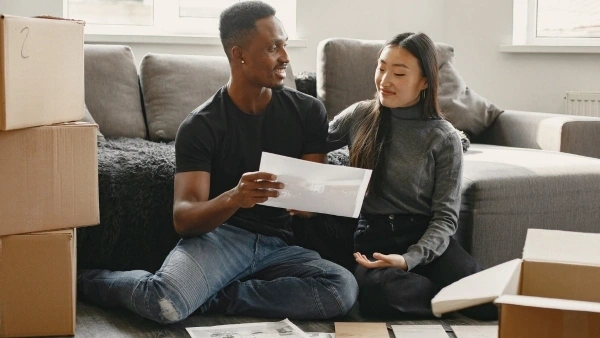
[316,20]
[31,7]
[360,19]
[531,82]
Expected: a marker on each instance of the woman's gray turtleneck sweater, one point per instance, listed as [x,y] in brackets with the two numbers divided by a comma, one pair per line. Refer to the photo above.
[422,176]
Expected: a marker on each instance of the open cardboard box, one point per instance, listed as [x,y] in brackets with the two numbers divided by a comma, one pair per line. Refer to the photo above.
[554,291]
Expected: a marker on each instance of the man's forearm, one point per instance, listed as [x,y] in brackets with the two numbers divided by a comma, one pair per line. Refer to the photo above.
[198,218]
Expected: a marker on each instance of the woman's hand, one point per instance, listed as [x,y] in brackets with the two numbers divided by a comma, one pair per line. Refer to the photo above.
[382,261]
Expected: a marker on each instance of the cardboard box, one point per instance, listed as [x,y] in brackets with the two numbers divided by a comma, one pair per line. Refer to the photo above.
[37,284]
[48,178]
[41,71]
[552,292]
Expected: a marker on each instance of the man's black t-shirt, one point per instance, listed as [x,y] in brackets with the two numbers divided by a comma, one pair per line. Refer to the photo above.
[220,139]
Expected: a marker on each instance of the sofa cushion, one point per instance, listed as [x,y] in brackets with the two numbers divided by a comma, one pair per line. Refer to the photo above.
[507,190]
[112,91]
[345,69]
[467,110]
[174,85]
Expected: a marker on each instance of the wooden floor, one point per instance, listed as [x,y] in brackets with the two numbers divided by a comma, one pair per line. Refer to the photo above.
[93,321]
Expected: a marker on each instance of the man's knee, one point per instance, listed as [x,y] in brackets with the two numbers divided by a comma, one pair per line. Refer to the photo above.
[346,288]
[165,304]
[169,312]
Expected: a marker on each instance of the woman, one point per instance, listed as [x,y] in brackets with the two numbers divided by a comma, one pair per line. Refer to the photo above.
[403,243]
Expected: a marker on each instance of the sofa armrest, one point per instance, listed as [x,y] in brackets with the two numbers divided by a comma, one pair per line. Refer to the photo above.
[556,132]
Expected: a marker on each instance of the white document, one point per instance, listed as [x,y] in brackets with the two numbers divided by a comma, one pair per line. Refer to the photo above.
[475,331]
[320,335]
[419,331]
[283,328]
[316,187]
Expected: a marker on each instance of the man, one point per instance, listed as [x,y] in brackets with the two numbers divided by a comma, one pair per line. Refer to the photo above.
[235,256]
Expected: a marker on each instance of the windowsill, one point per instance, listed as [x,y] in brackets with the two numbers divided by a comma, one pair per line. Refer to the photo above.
[171,39]
[549,49]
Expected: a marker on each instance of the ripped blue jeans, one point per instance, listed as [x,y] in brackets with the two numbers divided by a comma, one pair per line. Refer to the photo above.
[228,270]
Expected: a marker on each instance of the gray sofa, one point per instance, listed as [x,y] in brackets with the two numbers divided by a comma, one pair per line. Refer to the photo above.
[517,174]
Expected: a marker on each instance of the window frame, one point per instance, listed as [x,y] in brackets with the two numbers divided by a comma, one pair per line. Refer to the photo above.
[160,31]
[525,26]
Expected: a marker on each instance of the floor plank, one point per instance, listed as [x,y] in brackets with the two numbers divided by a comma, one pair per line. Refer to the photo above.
[96,322]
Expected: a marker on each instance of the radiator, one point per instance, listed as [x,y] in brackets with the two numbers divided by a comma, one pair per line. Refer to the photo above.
[582,103]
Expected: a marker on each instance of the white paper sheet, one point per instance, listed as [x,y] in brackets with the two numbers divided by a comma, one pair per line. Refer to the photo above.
[316,187]
[419,331]
[475,331]
[250,330]
[320,335]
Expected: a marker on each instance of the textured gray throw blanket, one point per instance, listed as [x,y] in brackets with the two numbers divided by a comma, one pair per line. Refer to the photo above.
[135,179]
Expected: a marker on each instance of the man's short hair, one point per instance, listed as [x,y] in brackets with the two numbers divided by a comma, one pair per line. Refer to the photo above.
[238,21]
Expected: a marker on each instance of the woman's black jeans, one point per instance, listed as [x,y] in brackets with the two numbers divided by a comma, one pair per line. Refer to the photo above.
[392,292]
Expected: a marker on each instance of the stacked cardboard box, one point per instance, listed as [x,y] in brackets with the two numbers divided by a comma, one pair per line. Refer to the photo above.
[48,173]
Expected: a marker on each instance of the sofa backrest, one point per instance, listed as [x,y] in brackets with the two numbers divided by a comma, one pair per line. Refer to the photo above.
[345,69]
[112,92]
[174,85]
[345,72]
[171,87]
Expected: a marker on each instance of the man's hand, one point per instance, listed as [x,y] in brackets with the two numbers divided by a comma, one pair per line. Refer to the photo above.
[255,187]
[382,261]
[302,214]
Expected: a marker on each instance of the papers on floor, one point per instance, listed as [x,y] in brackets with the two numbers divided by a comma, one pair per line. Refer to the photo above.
[316,187]
[254,330]
[475,331]
[362,330]
[419,331]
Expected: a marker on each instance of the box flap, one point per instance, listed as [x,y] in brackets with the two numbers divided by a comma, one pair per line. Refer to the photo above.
[559,280]
[480,288]
[562,247]
[549,303]
[75,124]
[52,17]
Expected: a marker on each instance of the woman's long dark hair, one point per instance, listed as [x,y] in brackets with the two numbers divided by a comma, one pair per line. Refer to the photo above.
[368,149]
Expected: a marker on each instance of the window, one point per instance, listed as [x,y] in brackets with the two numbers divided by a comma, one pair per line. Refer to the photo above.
[163,17]
[556,22]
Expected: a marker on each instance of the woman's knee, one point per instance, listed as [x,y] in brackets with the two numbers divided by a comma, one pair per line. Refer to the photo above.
[454,264]
[393,292]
